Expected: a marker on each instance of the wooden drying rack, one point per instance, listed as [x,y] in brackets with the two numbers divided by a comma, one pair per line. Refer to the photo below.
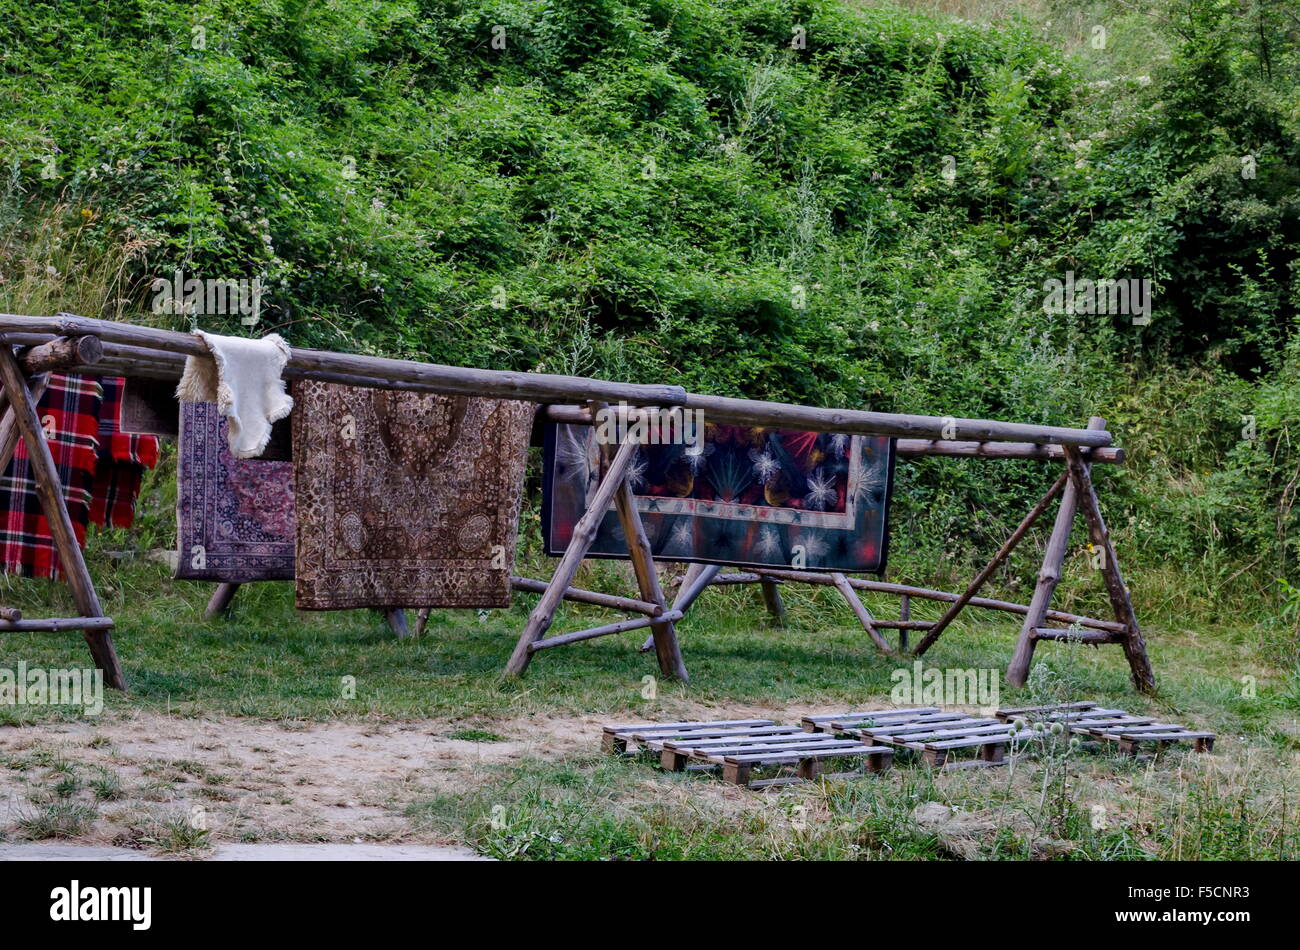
[68,343]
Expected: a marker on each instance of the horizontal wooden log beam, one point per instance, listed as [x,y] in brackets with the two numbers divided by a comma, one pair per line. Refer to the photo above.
[540,387]
[588,596]
[56,625]
[1078,636]
[623,626]
[60,353]
[920,448]
[567,389]
[755,412]
[924,593]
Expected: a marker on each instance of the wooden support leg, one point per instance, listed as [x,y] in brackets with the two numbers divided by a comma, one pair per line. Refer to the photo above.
[221,598]
[1048,576]
[736,773]
[396,619]
[864,617]
[772,599]
[662,632]
[880,761]
[810,768]
[993,753]
[50,491]
[1003,553]
[672,761]
[904,615]
[584,532]
[1135,647]
[421,621]
[9,434]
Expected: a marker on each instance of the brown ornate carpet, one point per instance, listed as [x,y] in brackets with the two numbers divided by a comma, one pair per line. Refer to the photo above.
[406,499]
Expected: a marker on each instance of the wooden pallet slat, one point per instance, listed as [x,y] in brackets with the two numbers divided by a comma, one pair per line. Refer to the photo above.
[1125,731]
[736,747]
[615,738]
[866,714]
[935,734]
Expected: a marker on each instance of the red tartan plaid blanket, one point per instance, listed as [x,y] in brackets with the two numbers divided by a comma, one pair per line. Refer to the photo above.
[100,468]
[123,457]
[69,413]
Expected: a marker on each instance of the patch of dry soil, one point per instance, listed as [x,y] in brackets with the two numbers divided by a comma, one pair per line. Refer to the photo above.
[254,780]
[258,780]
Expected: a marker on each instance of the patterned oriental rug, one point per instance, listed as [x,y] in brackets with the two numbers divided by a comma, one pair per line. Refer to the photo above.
[406,499]
[235,517]
[749,497]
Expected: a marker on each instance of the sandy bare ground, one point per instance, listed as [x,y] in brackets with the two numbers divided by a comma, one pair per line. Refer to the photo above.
[254,780]
[257,780]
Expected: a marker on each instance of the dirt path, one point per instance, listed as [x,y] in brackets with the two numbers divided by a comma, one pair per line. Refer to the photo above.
[257,780]
[250,780]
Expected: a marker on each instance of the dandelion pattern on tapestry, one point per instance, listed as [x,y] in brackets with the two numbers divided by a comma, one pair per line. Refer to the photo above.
[739,495]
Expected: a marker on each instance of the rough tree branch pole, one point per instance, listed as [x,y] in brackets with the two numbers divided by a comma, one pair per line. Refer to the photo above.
[381,372]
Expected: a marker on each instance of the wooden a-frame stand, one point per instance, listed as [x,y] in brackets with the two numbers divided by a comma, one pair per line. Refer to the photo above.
[1076,492]
[23,384]
[614,487]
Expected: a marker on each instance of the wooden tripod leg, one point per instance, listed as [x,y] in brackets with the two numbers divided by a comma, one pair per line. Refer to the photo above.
[772,600]
[1048,576]
[9,434]
[904,615]
[584,532]
[421,621]
[692,572]
[1135,647]
[663,632]
[221,598]
[50,492]
[395,617]
[982,578]
[859,609]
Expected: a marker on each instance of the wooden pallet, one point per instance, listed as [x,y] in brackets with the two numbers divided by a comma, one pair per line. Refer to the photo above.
[935,734]
[738,756]
[1127,732]
[629,739]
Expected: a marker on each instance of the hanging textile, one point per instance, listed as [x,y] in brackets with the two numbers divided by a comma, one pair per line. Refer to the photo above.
[123,458]
[737,495]
[69,414]
[243,377]
[406,499]
[234,516]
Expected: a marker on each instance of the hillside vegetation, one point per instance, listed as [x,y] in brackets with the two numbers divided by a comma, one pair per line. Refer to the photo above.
[847,204]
